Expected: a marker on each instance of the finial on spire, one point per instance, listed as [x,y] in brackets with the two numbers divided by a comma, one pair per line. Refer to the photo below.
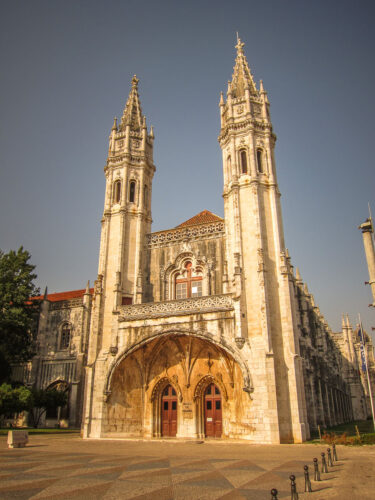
[114,126]
[298,275]
[45,293]
[87,288]
[240,45]
[221,103]
[347,320]
[135,81]
[152,132]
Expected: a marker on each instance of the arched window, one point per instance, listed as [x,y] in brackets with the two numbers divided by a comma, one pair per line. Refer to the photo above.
[117,192]
[259,161]
[65,336]
[243,161]
[188,284]
[132,191]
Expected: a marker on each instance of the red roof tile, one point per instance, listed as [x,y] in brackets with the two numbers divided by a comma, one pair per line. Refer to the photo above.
[205,217]
[56,297]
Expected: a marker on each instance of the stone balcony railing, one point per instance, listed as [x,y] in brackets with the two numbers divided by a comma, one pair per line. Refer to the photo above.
[200,231]
[211,303]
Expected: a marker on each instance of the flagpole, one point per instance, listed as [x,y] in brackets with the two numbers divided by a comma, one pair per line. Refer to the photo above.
[367,370]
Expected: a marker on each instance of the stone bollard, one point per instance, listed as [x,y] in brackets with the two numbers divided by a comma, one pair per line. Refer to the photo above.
[307,479]
[293,488]
[17,439]
[330,463]
[274,494]
[316,470]
[324,463]
[334,452]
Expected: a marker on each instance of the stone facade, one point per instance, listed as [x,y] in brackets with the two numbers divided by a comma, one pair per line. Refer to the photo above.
[204,329]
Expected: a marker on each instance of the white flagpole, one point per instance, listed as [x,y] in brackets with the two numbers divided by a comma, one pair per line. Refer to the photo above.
[367,371]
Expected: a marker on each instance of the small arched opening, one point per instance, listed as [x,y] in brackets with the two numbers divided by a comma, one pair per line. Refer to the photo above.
[117,191]
[260,161]
[243,159]
[132,191]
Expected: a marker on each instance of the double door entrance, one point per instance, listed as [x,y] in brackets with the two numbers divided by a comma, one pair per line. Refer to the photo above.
[212,412]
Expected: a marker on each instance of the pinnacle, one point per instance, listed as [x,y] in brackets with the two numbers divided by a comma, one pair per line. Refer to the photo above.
[133,112]
[242,78]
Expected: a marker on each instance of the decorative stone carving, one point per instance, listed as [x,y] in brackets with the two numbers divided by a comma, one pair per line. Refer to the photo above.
[240,342]
[175,307]
[106,396]
[164,238]
[204,382]
[161,384]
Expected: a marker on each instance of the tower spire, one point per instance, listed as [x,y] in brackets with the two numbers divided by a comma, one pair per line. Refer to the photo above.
[242,78]
[132,114]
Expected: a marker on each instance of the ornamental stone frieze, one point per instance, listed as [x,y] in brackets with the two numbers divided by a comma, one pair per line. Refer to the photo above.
[210,303]
[204,231]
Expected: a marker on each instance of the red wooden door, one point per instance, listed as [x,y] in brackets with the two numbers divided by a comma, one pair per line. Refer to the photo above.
[169,412]
[212,411]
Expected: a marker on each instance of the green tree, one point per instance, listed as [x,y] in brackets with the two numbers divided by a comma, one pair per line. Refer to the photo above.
[44,400]
[18,315]
[15,399]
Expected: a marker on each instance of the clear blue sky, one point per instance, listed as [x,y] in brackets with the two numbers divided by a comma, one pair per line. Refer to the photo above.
[66,71]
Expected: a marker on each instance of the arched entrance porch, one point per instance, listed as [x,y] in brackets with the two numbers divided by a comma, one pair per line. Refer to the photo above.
[160,388]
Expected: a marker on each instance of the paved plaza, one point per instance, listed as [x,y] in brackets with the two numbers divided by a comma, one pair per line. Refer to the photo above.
[64,467]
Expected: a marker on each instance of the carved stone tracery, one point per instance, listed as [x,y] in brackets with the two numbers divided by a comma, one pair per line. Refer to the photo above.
[210,303]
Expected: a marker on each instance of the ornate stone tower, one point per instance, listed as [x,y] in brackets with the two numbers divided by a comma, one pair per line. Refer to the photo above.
[259,271]
[123,263]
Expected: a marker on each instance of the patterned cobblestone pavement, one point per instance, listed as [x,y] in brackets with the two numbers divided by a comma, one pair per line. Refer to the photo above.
[67,467]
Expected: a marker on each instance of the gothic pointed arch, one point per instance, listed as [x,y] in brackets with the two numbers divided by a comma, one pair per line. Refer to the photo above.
[162,383]
[186,277]
[163,336]
[207,380]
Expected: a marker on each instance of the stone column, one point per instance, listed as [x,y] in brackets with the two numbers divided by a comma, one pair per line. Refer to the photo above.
[368,242]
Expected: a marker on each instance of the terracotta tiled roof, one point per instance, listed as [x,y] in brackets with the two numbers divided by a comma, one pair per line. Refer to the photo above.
[205,217]
[56,297]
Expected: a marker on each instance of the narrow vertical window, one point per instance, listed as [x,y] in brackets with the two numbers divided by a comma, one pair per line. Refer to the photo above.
[145,196]
[117,192]
[243,161]
[259,161]
[132,191]
[65,336]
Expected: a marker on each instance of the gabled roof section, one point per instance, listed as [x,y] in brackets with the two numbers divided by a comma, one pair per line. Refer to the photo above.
[204,217]
[56,297]
[132,114]
[242,77]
